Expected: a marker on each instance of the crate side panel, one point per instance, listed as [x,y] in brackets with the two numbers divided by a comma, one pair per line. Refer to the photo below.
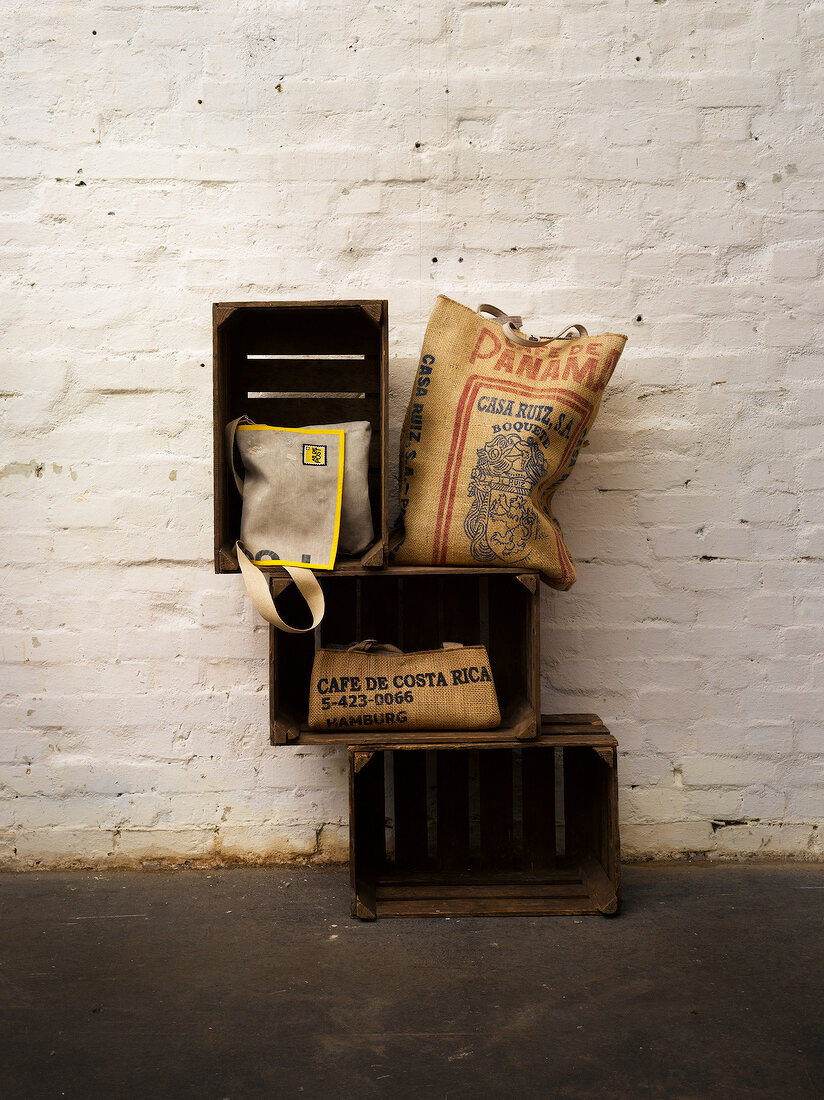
[538,794]
[411,831]
[590,807]
[381,507]
[292,656]
[227,500]
[340,625]
[464,605]
[418,598]
[379,608]
[496,808]
[510,639]
[366,823]
[297,412]
[279,374]
[452,810]
[324,328]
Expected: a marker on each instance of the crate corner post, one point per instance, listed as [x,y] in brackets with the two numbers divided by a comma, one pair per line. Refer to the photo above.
[366,830]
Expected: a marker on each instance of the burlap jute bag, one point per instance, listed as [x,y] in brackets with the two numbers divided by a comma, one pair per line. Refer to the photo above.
[378,687]
[494,425]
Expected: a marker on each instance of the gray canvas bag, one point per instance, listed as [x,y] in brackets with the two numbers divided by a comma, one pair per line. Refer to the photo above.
[356,528]
[305,493]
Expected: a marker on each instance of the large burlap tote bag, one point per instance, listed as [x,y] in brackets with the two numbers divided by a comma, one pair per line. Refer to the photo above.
[292,491]
[494,426]
[379,687]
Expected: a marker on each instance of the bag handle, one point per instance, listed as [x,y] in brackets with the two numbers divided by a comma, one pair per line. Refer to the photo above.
[231,431]
[509,323]
[372,645]
[258,588]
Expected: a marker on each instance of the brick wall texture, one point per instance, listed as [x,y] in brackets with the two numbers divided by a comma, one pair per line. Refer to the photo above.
[651,167]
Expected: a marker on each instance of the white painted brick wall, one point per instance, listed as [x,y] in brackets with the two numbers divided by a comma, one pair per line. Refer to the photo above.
[652,167]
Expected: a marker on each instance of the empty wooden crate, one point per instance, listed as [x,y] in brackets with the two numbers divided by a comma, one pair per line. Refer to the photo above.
[413,609]
[497,829]
[290,364]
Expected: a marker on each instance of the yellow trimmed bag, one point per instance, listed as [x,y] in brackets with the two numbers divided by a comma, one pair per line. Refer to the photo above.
[374,686]
[495,424]
[292,493]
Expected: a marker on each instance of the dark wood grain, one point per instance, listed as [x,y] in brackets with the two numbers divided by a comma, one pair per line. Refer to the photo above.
[509,874]
[538,787]
[417,610]
[486,907]
[496,808]
[300,389]
[294,412]
[505,876]
[366,830]
[453,810]
[290,657]
[312,375]
[411,830]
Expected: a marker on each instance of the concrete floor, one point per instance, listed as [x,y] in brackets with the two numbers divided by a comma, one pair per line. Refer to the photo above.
[256,983]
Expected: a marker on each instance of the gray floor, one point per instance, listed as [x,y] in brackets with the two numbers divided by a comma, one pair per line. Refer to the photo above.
[256,983]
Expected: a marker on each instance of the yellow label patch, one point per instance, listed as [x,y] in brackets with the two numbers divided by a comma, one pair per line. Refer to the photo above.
[314,454]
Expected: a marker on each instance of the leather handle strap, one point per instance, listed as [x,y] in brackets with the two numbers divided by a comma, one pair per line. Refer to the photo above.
[372,644]
[369,644]
[510,323]
[231,430]
[500,316]
[258,588]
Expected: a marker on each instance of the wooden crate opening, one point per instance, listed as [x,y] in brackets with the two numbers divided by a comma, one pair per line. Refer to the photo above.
[296,363]
[529,829]
[414,610]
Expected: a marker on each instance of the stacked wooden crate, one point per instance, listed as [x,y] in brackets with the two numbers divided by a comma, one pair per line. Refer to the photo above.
[521,819]
[297,363]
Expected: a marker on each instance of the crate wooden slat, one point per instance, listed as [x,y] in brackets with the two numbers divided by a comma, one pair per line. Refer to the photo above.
[296,363]
[476,830]
[414,609]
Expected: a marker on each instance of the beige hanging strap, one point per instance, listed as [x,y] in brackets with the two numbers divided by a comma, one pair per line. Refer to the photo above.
[258,588]
[509,323]
[231,431]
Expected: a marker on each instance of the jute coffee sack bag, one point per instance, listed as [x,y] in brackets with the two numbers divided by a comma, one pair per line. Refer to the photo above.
[377,686]
[494,425]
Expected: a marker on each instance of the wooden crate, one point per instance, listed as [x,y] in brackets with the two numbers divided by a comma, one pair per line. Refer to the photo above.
[497,829]
[413,608]
[296,363]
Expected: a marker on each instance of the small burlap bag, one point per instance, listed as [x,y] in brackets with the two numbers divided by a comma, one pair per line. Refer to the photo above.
[494,425]
[378,687]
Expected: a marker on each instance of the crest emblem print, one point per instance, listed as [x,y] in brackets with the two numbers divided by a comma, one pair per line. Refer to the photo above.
[502,521]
